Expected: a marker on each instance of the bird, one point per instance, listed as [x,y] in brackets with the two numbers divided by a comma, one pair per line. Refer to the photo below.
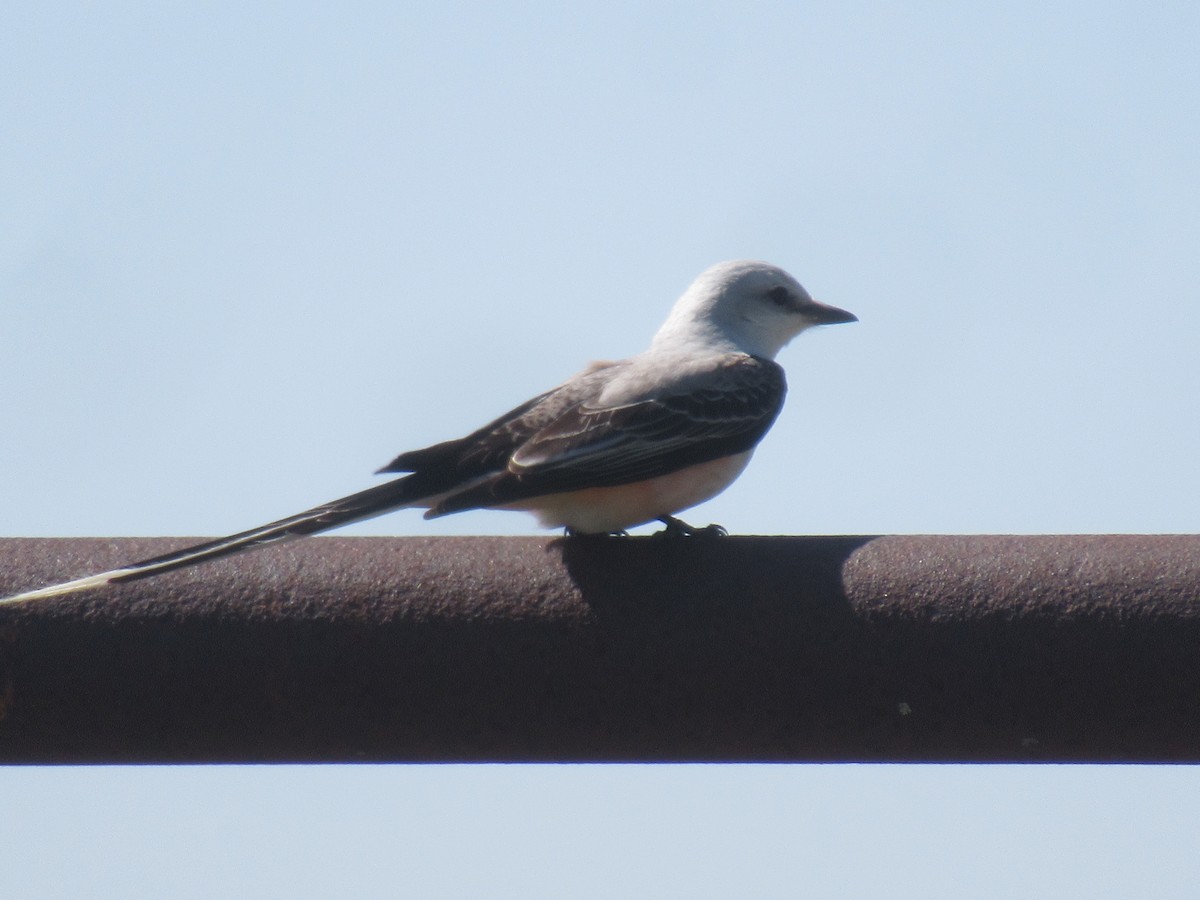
[620,444]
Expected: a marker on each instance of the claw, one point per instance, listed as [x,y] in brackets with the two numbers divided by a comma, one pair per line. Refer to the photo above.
[679,528]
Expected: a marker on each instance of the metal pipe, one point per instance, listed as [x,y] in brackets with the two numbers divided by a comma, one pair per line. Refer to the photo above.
[932,648]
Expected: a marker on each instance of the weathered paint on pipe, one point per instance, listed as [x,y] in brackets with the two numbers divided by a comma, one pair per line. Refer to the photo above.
[1038,648]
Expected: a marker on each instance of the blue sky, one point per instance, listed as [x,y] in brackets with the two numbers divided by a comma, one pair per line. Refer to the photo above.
[247,255]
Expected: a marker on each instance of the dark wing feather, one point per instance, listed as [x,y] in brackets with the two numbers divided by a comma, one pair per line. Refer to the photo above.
[497,438]
[487,450]
[588,446]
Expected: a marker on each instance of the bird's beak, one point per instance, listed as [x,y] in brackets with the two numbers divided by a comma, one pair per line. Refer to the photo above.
[821,314]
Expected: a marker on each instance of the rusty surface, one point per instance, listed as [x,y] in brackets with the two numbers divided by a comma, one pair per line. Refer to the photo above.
[1050,648]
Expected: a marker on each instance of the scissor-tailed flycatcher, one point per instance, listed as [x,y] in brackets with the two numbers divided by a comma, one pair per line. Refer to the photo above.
[618,445]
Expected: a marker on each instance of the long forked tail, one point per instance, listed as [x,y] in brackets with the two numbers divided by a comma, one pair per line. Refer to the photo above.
[363,505]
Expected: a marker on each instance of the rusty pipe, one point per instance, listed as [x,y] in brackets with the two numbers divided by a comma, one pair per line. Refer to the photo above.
[335,649]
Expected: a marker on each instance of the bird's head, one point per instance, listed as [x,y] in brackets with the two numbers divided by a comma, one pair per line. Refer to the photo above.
[745,305]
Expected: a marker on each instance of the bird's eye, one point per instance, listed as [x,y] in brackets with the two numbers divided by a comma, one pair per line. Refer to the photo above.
[779,296]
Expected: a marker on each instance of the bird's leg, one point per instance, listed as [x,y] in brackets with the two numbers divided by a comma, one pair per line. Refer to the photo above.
[679,528]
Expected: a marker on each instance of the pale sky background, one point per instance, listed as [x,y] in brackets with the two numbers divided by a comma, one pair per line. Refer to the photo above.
[248,253]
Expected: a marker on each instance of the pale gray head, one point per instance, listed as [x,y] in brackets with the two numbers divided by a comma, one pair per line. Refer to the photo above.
[745,305]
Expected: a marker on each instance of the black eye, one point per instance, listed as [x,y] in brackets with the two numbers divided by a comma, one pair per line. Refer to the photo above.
[780,296]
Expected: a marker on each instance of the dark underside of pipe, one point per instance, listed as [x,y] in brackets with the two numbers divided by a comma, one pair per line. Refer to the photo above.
[896,648]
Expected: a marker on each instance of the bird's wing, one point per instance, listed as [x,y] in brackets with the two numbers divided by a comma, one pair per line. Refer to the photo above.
[486,451]
[719,410]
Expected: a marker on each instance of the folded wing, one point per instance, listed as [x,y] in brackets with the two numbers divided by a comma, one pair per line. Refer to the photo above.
[720,411]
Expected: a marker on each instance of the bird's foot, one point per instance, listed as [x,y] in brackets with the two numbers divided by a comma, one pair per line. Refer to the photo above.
[678,528]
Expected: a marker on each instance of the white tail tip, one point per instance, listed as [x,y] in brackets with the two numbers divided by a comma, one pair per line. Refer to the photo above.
[67,587]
